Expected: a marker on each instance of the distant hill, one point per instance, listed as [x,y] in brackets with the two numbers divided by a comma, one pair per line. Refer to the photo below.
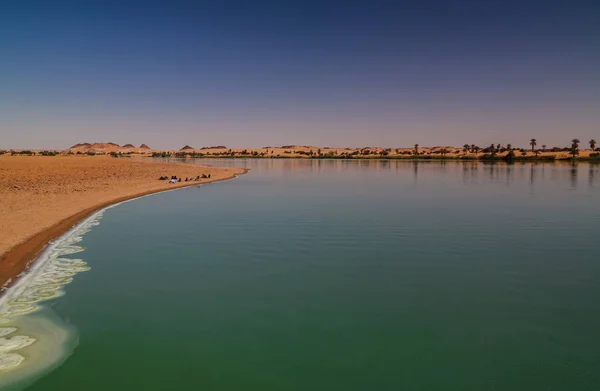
[81,145]
[100,148]
[187,148]
[94,148]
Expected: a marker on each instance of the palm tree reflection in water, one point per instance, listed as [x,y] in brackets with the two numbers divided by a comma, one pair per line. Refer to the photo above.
[573,175]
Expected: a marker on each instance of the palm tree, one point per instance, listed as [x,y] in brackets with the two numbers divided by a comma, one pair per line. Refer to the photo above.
[476,149]
[499,147]
[575,147]
[533,143]
[416,149]
[493,149]
[593,144]
[473,147]
[466,149]
[510,154]
[544,148]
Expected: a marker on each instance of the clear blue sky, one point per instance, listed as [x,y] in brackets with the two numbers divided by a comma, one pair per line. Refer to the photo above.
[255,73]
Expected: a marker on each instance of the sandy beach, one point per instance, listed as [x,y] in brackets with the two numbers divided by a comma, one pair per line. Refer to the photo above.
[43,196]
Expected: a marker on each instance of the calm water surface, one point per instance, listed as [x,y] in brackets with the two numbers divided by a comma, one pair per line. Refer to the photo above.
[334,275]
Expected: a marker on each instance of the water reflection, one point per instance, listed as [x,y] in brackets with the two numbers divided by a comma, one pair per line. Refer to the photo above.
[443,166]
[573,172]
[385,165]
[469,172]
[591,172]
[510,174]
[492,171]
[472,173]
[416,170]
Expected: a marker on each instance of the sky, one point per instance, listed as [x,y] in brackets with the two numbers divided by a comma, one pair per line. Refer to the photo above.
[327,73]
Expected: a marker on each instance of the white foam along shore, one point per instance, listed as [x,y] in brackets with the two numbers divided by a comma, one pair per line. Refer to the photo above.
[30,343]
[49,272]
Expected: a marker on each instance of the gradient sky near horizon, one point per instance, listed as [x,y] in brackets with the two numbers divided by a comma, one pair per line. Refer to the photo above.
[328,73]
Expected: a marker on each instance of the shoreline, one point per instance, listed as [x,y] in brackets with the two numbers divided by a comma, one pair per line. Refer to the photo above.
[420,158]
[19,258]
[408,160]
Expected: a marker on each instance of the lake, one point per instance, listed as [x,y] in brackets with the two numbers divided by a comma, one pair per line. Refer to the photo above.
[337,275]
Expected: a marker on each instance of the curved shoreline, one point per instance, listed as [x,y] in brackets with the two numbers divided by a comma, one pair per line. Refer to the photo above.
[18,259]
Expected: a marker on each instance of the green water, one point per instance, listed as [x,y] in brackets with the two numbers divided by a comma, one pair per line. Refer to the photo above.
[333,275]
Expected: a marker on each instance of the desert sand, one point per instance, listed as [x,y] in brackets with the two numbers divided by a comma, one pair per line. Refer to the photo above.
[43,196]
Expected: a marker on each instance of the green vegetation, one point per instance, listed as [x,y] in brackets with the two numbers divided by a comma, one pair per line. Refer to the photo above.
[593,158]
[120,154]
[575,147]
[494,152]
[25,153]
[161,154]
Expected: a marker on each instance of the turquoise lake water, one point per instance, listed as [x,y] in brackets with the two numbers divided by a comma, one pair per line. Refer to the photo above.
[340,275]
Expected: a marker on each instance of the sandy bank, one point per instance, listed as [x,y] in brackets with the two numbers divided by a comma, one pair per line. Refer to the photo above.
[42,197]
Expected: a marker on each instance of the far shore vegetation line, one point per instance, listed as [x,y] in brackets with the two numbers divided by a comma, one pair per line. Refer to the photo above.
[494,152]
[27,152]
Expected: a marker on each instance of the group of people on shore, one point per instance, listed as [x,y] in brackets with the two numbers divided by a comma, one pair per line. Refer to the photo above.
[174,178]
